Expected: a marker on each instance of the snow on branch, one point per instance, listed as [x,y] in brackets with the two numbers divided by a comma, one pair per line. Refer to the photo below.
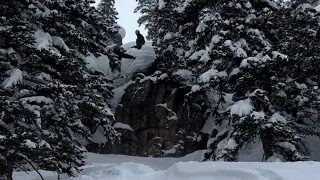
[15,76]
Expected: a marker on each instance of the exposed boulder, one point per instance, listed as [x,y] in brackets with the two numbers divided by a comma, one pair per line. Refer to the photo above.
[157,116]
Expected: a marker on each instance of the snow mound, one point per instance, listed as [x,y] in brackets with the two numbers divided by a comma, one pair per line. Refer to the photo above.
[237,171]
[116,172]
[318,8]
[144,58]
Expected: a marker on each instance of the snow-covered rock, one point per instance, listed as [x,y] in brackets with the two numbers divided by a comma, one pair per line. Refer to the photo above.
[144,58]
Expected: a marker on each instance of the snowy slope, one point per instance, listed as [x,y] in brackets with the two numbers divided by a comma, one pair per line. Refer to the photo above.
[117,167]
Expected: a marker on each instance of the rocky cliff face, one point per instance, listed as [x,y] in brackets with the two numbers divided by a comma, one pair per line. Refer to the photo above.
[157,116]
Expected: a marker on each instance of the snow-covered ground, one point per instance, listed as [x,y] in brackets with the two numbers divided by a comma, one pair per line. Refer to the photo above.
[119,167]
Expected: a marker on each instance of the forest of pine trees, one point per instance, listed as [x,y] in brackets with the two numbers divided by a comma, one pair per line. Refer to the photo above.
[253,65]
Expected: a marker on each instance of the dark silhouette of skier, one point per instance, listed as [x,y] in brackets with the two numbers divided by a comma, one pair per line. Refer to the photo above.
[139,41]
[120,53]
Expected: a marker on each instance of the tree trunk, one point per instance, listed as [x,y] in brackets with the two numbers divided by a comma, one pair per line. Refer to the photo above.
[6,170]
[266,139]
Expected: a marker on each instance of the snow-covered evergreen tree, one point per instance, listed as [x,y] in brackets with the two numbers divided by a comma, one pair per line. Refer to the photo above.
[107,8]
[49,98]
[244,70]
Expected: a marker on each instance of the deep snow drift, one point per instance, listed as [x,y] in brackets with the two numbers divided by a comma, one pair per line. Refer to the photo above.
[118,167]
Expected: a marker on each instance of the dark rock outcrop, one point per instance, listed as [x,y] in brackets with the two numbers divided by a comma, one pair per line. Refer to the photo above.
[156,113]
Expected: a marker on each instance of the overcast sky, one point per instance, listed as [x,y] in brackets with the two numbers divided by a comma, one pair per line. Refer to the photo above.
[128,19]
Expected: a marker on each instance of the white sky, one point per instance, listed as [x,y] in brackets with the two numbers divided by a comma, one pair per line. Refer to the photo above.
[127,19]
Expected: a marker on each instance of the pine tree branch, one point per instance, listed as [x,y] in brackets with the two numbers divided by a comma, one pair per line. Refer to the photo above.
[33,167]
[18,166]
